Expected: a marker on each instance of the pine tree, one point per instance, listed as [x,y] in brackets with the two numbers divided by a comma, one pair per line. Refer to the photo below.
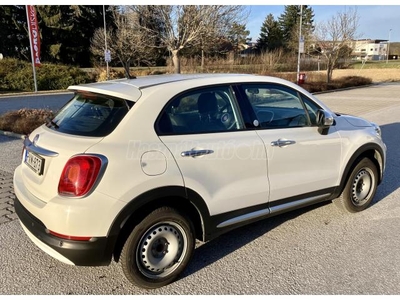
[66,31]
[270,36]
[14,32]
[289,23]
[238,36]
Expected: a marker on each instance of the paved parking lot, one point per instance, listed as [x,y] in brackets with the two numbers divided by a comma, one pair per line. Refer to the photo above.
[318,250]
[7,212]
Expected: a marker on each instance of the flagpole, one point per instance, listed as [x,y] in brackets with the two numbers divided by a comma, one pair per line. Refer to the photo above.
[30,46]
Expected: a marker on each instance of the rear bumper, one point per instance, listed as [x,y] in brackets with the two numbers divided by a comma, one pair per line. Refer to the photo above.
[97,252]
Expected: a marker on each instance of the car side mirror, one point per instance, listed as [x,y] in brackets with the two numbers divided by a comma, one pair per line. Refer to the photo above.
[324,121]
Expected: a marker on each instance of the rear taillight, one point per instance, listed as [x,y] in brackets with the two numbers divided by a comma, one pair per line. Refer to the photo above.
[79,175]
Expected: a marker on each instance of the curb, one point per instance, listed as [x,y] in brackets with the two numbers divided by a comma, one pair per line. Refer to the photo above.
[39,93]
[346,89]
[12,134]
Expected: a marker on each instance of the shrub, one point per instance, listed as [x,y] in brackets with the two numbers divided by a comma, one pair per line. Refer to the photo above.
[25,120]
[349,81]
[16,75]
[340,83]
[112,74]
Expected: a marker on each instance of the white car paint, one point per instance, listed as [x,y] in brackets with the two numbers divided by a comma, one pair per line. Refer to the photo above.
[242,172]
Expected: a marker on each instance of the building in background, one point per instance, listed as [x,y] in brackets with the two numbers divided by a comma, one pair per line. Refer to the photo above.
[368,49]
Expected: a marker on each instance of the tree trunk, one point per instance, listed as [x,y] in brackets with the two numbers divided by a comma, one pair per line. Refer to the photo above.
[202,59]
[329,71]
[127,66]
[176,61]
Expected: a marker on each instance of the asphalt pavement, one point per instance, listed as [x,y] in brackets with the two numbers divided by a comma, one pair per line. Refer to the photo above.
[316,250]
[53,101]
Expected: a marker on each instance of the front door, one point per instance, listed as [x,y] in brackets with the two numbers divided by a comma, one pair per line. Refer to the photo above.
[302,162]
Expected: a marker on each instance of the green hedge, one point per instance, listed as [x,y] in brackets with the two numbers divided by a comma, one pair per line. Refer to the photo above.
[17,76]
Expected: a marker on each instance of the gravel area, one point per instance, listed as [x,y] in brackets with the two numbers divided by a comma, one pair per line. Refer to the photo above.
[11,151]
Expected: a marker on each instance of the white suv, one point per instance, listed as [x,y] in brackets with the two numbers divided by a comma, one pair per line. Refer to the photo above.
[136,170]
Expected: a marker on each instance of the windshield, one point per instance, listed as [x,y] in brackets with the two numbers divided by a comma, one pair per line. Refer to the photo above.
[89,114]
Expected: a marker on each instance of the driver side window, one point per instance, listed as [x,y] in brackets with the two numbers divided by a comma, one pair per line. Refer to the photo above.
[200,111]
[276,106]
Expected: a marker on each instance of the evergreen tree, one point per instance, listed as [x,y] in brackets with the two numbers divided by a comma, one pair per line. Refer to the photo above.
[87,19]
[270,36]
[66,32]
[289,23]
[238,36]
[14,32]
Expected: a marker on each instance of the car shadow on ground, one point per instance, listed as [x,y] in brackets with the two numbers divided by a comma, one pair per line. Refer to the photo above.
[212,251]
[391,181]
[228,243]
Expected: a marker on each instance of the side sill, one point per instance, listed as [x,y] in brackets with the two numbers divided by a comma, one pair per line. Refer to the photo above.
[275,210]
[245,217]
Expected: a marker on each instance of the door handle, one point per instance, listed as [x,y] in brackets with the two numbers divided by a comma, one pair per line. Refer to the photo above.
[282,143]
[194,153]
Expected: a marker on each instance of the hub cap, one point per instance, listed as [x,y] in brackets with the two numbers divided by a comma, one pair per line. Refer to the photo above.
[161,249]
[362,187]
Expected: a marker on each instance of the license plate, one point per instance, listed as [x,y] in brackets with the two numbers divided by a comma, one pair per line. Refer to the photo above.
[34,161]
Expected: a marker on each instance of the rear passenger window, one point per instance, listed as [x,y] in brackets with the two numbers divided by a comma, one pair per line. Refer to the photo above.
[200,111]
[276,106]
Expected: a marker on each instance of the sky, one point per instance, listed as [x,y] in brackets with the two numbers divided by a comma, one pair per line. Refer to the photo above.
[375,21]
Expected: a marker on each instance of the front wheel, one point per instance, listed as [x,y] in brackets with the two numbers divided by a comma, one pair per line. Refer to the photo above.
[360,188]
[158,249]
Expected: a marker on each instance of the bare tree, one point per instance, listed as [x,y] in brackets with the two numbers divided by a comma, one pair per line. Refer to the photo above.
[334,37]
[190,25]
[128,42]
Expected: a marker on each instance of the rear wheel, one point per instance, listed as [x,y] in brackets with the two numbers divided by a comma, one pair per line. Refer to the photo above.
[360,188]
[158,249]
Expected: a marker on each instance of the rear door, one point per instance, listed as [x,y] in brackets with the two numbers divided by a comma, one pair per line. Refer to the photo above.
[219,160]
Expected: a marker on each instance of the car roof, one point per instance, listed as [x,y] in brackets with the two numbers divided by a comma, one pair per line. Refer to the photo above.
[131,89]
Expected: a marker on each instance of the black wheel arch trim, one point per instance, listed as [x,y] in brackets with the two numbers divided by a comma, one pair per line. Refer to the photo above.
[157,194]
[357,156]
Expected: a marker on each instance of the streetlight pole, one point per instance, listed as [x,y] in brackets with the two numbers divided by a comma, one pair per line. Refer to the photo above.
[105,40]
[387,53]
[300,40]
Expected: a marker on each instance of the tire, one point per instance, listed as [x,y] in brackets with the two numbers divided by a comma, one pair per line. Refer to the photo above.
[158,249]
[360,188]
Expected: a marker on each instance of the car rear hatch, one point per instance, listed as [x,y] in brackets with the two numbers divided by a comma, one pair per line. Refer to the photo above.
[83,122]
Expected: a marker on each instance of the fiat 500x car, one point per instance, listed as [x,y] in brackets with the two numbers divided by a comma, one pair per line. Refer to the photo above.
[135,170]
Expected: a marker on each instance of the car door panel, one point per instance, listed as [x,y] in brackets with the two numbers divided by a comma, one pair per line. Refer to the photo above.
[300,160]
[305,162]
[231,176]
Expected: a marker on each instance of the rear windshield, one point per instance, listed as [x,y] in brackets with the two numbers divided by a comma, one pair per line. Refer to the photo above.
[89,114]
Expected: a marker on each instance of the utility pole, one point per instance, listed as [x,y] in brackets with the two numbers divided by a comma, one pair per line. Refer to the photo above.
[106,53]
[300,41]
[387,53]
